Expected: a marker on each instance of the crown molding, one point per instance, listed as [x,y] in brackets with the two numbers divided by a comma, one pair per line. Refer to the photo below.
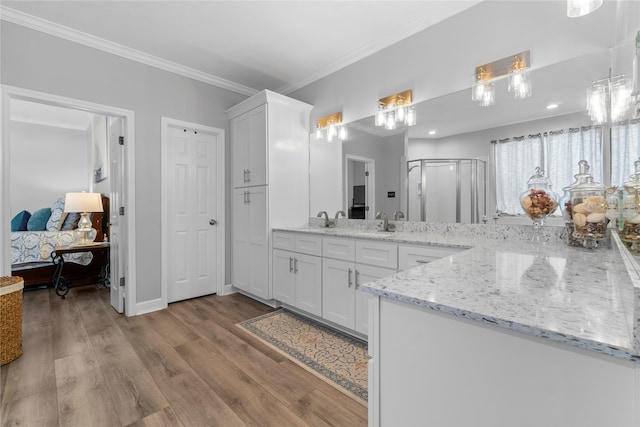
[57,30]
[376,131]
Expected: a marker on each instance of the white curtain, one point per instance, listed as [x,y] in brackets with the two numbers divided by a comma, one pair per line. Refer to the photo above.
[565,149]
[558,153]
[516,160]
[625,150]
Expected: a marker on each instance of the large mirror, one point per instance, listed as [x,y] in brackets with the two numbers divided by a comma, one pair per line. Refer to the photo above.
[463,130]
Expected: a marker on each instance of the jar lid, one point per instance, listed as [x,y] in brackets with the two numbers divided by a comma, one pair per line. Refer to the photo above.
[633,184]
[588,185]
[538,179]
[581,176]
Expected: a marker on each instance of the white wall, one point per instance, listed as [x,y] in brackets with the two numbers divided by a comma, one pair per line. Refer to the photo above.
[46,162]
[417,62]
[41,62]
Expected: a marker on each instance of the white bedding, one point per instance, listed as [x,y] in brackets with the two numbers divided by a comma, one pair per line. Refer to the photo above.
[36,246]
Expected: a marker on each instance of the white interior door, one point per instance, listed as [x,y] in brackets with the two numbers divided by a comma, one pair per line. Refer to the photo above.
[117,264]
[191,206]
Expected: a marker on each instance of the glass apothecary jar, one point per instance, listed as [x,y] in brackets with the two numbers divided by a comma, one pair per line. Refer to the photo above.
[539,201]
[630,230]
[589,213]
[565,203]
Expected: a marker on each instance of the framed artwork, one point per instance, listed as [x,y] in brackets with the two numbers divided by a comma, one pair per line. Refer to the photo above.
[100,161]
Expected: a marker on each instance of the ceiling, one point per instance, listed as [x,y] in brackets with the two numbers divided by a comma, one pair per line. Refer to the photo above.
[247,45]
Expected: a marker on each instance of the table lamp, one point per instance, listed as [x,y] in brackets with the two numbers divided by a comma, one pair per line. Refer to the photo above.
[83,203]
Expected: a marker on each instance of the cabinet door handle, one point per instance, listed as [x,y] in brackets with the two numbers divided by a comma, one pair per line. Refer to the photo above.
[244,179]
[247,197]
[357,275]
[421,261]
[350,282]
[248,175]
[295,265]
[290,265]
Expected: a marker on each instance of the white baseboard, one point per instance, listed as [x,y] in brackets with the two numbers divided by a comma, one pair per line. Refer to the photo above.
[149,307]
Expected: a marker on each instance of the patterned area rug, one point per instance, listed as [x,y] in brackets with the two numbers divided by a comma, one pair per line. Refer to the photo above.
[334,357]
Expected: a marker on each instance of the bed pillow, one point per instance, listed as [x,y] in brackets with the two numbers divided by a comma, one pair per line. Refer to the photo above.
[70,222]
[57,215]
[19,222]
[38,220]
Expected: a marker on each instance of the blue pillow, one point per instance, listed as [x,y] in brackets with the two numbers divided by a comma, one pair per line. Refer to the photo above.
[19,222]
[38,220]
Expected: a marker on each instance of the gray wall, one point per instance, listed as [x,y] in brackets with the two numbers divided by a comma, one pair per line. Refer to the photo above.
[37,61]
[46,162]
[387,153]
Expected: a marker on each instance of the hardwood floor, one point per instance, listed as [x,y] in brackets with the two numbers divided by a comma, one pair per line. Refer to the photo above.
[189,365]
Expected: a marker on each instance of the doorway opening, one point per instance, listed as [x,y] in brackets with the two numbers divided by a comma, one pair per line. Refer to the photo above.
[115,131]
[360,180]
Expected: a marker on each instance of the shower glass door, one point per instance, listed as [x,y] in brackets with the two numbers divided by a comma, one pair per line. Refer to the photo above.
[446,190]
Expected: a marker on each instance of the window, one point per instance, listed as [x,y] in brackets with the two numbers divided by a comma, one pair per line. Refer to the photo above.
[625,150]
[558,153]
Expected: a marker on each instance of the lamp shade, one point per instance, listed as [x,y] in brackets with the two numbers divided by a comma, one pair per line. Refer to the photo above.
[83,202]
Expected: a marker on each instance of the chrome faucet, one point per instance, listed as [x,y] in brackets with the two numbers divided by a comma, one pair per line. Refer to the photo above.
[327,222]
[385,220]
[397,214]
[340,213]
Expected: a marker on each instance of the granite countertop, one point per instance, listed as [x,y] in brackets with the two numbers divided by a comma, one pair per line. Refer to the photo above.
[581,297]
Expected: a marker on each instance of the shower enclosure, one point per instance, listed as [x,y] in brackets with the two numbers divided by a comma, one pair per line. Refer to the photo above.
[447,190]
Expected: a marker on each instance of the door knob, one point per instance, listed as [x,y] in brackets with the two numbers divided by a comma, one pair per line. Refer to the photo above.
[212,222]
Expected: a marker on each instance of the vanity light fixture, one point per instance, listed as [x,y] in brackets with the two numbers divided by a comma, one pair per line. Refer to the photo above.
[515,67]
[394,109]
[608,99]
[577,8]
[519,81]
[333,125]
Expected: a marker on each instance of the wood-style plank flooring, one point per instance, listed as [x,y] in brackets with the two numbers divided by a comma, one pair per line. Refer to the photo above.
[189,365]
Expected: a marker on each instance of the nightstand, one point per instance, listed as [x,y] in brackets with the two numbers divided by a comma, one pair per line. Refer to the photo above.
[60,284]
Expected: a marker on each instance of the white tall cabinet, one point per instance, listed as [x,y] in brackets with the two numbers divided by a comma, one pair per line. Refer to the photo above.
[269,136]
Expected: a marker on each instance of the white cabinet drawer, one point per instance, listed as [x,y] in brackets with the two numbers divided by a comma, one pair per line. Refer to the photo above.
[282,240]
[378,254]
[342,249]
[297,242]
[310,245]
[411,256]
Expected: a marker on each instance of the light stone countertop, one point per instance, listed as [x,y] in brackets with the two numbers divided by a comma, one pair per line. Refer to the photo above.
[581,297]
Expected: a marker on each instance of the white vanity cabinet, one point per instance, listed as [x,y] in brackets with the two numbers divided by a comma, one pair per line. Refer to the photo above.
[410,256]
[346,265]
[297,271]
[269,136]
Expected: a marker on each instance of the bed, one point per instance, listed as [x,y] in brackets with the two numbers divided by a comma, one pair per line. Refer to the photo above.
[31,249]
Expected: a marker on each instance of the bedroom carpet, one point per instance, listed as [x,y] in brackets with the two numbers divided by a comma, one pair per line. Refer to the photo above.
[331,355]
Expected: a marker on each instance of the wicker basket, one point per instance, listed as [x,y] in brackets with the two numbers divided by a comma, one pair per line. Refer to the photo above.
[10,318]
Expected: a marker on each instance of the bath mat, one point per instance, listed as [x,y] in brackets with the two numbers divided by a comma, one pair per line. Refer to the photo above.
[334,357]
